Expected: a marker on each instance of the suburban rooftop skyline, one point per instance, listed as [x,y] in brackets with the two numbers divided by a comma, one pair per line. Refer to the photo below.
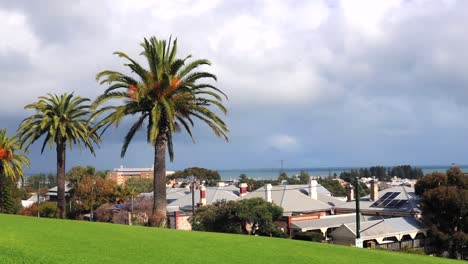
[315,83]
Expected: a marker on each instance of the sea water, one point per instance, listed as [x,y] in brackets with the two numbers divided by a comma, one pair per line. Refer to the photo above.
[273,173]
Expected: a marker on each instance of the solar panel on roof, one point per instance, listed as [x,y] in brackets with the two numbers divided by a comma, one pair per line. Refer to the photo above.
[392,203]
[393,195]
[400,203]
[385,195]
[388,200]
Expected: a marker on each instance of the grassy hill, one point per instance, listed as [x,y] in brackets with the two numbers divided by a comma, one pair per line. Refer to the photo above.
[33,240]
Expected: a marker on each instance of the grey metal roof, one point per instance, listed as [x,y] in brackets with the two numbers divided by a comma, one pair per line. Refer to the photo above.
[331,221]
[53,191]
[291,199]
[388,227]
[406,193]
[305,187]
[213,194]
[171,193]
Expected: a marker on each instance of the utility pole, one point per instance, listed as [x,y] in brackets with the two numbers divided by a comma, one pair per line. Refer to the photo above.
[358,219]
[192,187]
[38,198]
[91,218]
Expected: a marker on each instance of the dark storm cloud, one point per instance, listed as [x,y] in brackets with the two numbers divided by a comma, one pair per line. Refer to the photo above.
[60,21]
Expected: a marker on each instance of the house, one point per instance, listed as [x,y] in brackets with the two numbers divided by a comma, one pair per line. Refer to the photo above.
[397,201]
[325,224]
[391,233]
[296,200]
[121,175]
[33,200]
[205,196]
[52,193]
[180,208]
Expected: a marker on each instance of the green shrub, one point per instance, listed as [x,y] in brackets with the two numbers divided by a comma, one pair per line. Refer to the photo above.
[48,209]
[308,236]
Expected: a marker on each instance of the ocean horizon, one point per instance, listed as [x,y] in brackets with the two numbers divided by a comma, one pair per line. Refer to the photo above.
[273,173]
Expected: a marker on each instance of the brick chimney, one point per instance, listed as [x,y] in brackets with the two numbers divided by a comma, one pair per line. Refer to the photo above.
[202,196]
[243,189]
[374,189]
[268,188]
[313,188]
[349,193]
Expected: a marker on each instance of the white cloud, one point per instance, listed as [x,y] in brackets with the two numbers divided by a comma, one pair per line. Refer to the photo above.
[283,142]
[351,73]
[16,34]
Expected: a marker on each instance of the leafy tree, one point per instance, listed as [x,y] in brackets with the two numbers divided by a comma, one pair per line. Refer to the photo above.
[220,216]
[61,119]
[258,215]
[11,169]
[363,189]
[76,174]
[430,181]
[121,193]
[168,96]
[333,186]
[445,209]
[250,216]
[211,177]
[139,185]
[303,177]
[243,178]
[39,181]
[93,192]
[253,184]
[283,176]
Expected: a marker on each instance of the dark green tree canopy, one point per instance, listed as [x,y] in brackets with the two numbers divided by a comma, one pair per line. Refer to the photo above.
[201,174]
[250,216]
[445,209]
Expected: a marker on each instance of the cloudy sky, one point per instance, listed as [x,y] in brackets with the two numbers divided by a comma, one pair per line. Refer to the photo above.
[314,83]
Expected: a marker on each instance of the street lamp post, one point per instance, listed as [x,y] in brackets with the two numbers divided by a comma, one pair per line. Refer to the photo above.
[91,217]
[358,219]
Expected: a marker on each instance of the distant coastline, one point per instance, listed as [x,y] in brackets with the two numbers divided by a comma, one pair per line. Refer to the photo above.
[272,173]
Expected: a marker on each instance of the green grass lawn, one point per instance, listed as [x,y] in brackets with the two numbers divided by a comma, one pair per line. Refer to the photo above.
[33,240]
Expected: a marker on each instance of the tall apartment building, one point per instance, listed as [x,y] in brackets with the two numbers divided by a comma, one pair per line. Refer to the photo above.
[122,174]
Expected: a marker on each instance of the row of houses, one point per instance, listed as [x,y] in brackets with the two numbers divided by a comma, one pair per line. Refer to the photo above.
[389,218]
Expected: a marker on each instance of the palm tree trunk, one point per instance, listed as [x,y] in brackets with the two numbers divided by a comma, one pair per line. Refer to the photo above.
[2,187]
[61,149]
[159,182]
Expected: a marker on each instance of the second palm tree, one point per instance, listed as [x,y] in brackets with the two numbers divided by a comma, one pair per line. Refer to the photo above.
[61,120]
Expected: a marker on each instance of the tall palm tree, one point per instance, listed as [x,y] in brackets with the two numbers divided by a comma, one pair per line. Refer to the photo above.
[167,97]
[11,164]
[62,119]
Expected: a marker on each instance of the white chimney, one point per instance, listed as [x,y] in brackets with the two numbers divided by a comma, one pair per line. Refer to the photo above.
[268,188]
[313,188]
[243,189]
[374,189]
